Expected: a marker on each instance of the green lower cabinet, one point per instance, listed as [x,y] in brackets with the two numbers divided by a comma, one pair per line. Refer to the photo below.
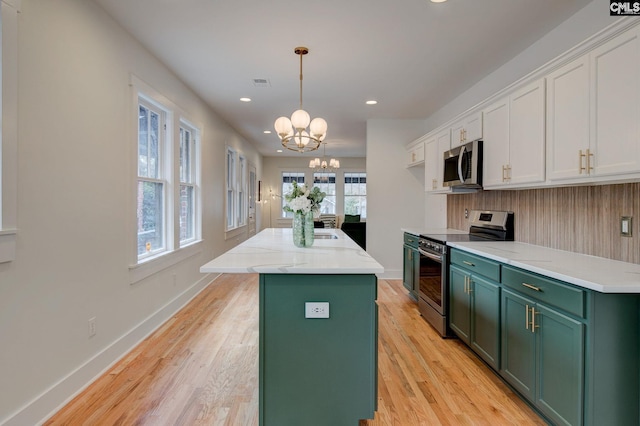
[474,313]
[543,357]
[411,270]
[317,371]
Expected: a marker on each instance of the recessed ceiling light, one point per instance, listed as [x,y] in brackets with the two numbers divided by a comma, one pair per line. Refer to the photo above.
[372,102]
[245,99]
[278,150]
[267,132]
[438,1]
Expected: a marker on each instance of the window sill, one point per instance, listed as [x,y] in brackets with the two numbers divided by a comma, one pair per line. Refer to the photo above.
[8,245]
[152,266]
[235,232]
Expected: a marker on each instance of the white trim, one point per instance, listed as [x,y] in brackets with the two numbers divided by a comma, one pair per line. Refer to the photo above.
[9,124]
[58,395]
[140,271]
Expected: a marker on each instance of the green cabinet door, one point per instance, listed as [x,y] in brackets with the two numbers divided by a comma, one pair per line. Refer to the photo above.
[407,270]
[460,303]
[518,344]
[560,366]
[411,270]
[485,320]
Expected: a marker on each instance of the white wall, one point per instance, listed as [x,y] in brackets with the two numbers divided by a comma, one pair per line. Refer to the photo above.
[271,179]
[75,176]
[395,194]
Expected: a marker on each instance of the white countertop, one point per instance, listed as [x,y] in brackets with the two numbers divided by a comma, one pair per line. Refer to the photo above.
[272,252]
[595,273]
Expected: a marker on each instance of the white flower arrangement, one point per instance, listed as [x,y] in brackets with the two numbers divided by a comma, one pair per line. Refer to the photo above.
[303,200]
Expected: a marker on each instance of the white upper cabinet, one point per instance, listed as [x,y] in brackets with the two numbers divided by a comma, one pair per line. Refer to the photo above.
[495,146]
[435,147]
[593,116]
[415,154]
[526,135]
[468,129]
[568,120]
[513,148]
[615,147]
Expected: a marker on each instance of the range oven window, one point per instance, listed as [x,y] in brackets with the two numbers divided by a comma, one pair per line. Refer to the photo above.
[431,282]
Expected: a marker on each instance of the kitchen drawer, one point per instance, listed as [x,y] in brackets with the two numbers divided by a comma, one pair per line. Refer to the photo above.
[546,290]
[476,264]
[411,240]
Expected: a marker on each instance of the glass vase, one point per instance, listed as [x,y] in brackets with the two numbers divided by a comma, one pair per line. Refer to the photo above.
[303,229]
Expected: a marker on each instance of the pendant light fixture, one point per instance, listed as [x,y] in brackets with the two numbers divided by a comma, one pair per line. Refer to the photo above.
[322,165]
[293,132]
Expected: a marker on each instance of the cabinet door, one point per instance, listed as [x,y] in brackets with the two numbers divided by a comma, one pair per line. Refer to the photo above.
[444,145]
[496,143]
[407,270]
[415,255]
[560,365]
[415,155]
[567,119]
[473,127]
[485,320]
[616,106]
[433,161]
[526,135]
[518,344]
[459,303]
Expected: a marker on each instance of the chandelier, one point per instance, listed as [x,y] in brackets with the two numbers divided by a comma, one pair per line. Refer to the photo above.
[323,166]
[293,132]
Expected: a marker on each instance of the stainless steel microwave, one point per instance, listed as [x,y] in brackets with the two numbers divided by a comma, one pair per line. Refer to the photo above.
[463,166]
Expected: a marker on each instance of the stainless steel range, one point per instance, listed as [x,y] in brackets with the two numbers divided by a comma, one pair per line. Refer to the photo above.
[434,261]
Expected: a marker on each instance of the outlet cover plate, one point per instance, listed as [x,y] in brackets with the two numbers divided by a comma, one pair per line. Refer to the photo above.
[626,226]
[316,309]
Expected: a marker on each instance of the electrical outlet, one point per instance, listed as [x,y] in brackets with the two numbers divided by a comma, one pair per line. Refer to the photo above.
[316,310]
[466,213]
[626,223]
[92,327]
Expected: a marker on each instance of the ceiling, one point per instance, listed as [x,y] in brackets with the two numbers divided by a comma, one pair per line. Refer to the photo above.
[412,56]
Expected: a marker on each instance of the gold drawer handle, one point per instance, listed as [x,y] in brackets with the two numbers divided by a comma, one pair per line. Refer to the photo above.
[468,263]
[532,287]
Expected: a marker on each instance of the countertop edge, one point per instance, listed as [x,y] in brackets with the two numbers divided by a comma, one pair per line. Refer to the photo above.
[575,280]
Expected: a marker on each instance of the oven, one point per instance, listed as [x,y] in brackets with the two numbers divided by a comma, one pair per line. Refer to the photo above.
[433,288]
[433,292]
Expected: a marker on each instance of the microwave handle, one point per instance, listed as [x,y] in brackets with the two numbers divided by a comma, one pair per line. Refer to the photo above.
[460,157]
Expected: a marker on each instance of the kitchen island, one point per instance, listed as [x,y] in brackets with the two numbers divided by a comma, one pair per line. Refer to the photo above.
[318,326]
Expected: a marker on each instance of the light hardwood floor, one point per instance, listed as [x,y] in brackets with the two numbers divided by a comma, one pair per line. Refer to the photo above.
[201,368]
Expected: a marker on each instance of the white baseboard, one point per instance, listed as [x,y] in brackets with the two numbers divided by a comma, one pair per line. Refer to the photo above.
[57,396]
[391,274]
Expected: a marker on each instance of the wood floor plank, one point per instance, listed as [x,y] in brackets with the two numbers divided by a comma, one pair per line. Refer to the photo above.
[201,368]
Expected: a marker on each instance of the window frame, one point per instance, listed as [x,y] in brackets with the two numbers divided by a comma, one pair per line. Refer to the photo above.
[323,188]
[195,177]
[164,175]
[139,270]
[9,10]
[344,191]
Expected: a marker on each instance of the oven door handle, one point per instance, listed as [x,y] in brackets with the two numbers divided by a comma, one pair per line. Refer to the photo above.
[430,256]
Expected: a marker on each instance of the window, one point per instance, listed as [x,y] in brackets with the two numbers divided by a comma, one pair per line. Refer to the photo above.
[231,171]
[237,201]
[326,182]
[287,186]
[189,179]
[355,194]
[152,180]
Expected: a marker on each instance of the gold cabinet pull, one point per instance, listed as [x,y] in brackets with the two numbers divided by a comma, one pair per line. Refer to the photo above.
[468,263]
[435,183]
[533,319]
[532,287]
[503,170]
[580,157]
[509,172]
[589,155]
[526,317]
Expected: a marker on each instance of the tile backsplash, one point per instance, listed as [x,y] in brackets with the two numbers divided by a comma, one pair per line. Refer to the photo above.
[583,219]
